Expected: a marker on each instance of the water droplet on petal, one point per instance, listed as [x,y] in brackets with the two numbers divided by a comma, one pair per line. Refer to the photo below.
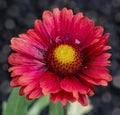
[86,67]
[77,41]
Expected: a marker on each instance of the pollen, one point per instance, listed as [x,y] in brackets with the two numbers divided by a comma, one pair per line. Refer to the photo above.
[64,54]
[64,59]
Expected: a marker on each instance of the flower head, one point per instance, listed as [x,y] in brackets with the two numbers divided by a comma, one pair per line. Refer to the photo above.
[64,56]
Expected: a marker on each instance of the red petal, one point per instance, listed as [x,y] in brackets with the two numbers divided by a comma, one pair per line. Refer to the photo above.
[83,100]
[56,16]
[14,82]
[36,40]
[104,56]
[50,83]
[90,93]
[23,46]
[48,22]
[94,36]
[32,40]
[36,93]
[65,22]
[76,95]
[74,30]
[21,92]
[97,48]
[81,29]
[101,60]
[31,86]
[97,72]
[63,97]
[32,90]
[94,81]
[72,84]
[77,17]
[19,70]
[41,32]
[30,77]
[19,59]
[97,32]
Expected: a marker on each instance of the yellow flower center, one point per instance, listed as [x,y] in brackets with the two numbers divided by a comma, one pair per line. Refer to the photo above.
[64,59]
[64,54]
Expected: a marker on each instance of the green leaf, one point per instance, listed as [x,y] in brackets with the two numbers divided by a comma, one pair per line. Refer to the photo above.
[56,109]
[39,105]
[77,109]
[17,105]
[4,105]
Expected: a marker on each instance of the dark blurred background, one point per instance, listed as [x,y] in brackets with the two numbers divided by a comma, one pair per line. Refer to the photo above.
[16,16]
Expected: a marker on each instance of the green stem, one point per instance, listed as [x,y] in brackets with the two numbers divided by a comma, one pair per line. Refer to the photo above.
[56,109]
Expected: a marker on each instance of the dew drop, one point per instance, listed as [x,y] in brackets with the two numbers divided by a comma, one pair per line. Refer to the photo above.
[77,41]
[86,67]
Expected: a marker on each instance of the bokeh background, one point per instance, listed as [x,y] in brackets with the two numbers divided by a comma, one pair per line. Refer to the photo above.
[16,16]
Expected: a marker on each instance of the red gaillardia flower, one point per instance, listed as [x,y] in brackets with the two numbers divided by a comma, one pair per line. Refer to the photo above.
[64,56]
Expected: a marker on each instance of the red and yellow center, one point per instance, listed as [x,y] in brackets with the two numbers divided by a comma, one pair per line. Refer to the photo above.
[64,54]
[64,59]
